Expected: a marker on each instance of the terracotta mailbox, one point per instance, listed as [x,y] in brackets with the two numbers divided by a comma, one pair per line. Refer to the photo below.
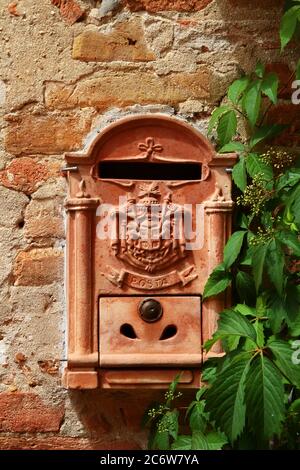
[149,211]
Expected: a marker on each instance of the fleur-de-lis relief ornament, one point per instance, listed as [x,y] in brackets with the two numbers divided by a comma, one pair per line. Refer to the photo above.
[150,148]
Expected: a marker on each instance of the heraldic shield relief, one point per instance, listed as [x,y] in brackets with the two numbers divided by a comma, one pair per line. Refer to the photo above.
[149,232]
[153,236]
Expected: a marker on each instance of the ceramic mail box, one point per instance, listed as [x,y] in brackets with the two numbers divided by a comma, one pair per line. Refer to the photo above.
[149,211]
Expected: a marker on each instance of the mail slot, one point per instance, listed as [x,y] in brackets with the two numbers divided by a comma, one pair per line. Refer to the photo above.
[149,212]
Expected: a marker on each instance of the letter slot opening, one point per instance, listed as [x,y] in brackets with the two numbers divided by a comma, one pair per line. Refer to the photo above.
[149,171]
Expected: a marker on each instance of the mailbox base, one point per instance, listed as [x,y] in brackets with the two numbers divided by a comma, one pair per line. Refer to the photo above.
[122,379]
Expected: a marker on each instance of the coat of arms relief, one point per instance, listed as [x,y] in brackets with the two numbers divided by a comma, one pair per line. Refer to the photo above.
[149,235]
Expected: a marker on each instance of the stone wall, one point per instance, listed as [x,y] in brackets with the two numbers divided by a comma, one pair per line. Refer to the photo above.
[68,68]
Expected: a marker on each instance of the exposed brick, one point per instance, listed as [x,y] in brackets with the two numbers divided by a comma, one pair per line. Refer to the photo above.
[26,412]
[64,443]
[26,174]
[38,267]
[128,88]
[69,10]
[43,220]
[125,42]
[160,5]
[289,114]
[50,134]
[286,77]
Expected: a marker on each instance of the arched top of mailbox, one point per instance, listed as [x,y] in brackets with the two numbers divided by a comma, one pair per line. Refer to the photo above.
[152,138]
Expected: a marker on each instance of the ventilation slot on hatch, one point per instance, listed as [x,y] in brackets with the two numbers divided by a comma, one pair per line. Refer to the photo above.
[169,332]
[128,331]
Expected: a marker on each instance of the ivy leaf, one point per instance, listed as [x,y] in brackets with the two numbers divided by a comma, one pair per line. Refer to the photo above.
[260,70]
[245,286]
[266,132]
[289,239]
[252,102]
[232,324]
[283,359]
[264,398]
[256,166]
[239,174]
[288,25]
[275,261]
[217,282]
[216,440]
[269,86]
[217,113]
[182,443]
[233,248]
[227,127]
[225,399]
[232,147]
[199,441]
[237,88]
[258,262]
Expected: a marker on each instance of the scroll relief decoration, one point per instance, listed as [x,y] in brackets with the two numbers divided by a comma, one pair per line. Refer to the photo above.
[149,235]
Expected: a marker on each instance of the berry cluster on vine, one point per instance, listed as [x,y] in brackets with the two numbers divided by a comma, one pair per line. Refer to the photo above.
[255,195]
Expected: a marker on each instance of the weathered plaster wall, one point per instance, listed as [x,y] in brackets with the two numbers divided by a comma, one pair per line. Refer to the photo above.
[59,80]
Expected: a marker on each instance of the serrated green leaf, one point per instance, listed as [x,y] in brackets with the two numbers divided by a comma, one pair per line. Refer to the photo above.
[198,417]
[200,393]
[199,441]
[260,336]
[245,310]
[259,254]
[232,147]
[289,239]
[239,174]
[237,88]
[255,166]
[283,353]
[232,324]
[172,422]
[217,282]
[260,70]
[225,399]
[289,179]
[245,286]
[266,132]
[275,311]
[227,127]
[217,113]
[275,261]
[264,398]
[252,102]
[216,440]
[161,440]
[182,443]
[288,25]
[233,248]
[269,86]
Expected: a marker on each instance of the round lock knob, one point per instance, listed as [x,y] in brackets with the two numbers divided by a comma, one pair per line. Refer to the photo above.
[150,310]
